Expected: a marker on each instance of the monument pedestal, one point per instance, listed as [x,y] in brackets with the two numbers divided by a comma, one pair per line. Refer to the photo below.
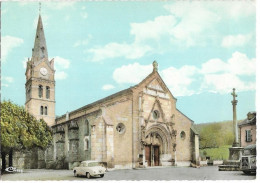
[233,164]
[235,153]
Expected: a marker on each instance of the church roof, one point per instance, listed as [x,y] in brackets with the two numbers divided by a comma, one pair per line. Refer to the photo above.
[40,49]
[99,101]
[193,128]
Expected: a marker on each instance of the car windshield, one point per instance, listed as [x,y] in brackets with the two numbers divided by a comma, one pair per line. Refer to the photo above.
[247,152]
[93,164]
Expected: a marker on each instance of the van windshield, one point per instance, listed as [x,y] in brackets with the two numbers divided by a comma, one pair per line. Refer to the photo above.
[248,152]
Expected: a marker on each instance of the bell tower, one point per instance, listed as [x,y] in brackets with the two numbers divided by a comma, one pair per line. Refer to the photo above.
[40,81]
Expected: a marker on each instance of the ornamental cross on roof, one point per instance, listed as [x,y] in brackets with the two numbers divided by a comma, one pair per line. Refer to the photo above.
[155,66]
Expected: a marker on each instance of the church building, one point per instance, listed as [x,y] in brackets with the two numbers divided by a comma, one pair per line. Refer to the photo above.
[136,127]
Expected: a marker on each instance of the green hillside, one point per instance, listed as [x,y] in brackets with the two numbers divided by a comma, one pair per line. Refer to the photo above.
[215,139]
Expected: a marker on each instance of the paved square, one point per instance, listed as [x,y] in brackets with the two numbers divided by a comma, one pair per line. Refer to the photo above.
[169,173]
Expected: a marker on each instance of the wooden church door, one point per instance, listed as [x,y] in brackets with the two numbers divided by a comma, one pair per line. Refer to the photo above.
[148,155]
[156,155]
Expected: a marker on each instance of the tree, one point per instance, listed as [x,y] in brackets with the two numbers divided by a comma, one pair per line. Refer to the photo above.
[21,131]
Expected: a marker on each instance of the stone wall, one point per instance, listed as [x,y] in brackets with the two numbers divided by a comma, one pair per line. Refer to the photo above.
[184,145]
[120,114]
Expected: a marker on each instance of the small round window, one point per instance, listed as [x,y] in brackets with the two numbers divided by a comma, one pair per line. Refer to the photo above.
[120,128]
[183,135]
[156,114]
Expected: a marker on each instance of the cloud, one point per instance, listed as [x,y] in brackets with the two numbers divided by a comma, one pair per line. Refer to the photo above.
[132,73]
[214,66]
[197,18]
[4,85]
[223,83]
[108,87]
[24,62]
[233,9]
[188,24]
[160,26]
[235,40]
[238,64]
[59,5]
[84,15]
[83,42]
[60,75]
[61,64]
[179,80]
[194,20]
[8,44]
[6,80]
[114,50]
[215,75]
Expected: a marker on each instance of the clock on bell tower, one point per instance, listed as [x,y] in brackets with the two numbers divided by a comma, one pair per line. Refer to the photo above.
[40,81]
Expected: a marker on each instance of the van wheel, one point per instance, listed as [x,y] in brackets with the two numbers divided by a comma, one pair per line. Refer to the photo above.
[88,175]
[247,172]
[102,175]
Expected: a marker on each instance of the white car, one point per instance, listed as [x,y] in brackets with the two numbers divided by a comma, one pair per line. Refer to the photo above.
[89,169]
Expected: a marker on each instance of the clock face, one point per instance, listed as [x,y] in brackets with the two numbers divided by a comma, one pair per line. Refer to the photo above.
[43,71]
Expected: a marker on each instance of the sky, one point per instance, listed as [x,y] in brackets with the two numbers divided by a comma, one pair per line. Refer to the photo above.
[203,49]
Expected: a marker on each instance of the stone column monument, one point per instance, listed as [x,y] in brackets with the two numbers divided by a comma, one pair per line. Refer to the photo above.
[234,103]
[235,151]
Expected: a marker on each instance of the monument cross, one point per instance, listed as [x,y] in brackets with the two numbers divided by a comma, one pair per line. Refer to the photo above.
[234,103]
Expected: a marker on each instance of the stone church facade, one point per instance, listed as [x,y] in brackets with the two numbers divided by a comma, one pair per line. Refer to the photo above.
[137,127]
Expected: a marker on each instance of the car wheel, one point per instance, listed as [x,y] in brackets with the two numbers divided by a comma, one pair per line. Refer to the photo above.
[88,175]
[102,175]
[75,173]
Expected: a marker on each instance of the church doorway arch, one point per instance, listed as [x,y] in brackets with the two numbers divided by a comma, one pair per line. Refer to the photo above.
[157,140]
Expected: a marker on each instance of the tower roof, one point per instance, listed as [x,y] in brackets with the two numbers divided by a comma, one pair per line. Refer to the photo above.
[40,49]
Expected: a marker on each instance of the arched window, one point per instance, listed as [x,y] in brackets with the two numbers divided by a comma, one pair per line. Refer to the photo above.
[29,91]
[156,114]
[183,135]
[46,110]
[47,92]
[28,94]
[40,89]
[86,127]
[41,110]
[86,143]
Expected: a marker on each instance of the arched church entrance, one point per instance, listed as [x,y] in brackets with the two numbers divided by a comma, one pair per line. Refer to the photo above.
[157,145]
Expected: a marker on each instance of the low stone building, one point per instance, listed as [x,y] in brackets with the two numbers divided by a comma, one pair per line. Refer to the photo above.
[247,130]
